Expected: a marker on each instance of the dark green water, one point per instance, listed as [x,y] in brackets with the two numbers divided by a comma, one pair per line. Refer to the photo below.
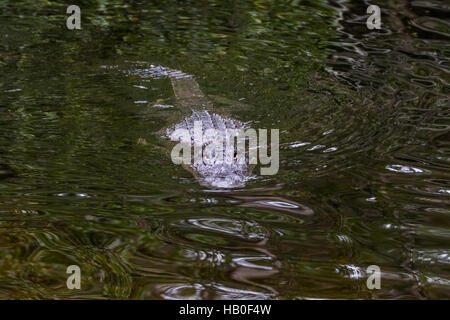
[86,179]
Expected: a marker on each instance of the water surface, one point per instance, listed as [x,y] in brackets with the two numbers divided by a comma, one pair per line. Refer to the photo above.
[86,179]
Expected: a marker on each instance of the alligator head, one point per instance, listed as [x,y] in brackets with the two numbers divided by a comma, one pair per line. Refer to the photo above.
[212,170]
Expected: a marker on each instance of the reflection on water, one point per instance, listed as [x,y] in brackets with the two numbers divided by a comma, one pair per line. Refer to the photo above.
[275,203]
[86,179]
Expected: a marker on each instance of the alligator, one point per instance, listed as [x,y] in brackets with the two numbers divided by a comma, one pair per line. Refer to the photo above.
[215,173]
[191,100]
[195,106]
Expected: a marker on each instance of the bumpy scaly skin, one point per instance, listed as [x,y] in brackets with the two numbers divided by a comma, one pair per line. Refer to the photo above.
[217,172]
